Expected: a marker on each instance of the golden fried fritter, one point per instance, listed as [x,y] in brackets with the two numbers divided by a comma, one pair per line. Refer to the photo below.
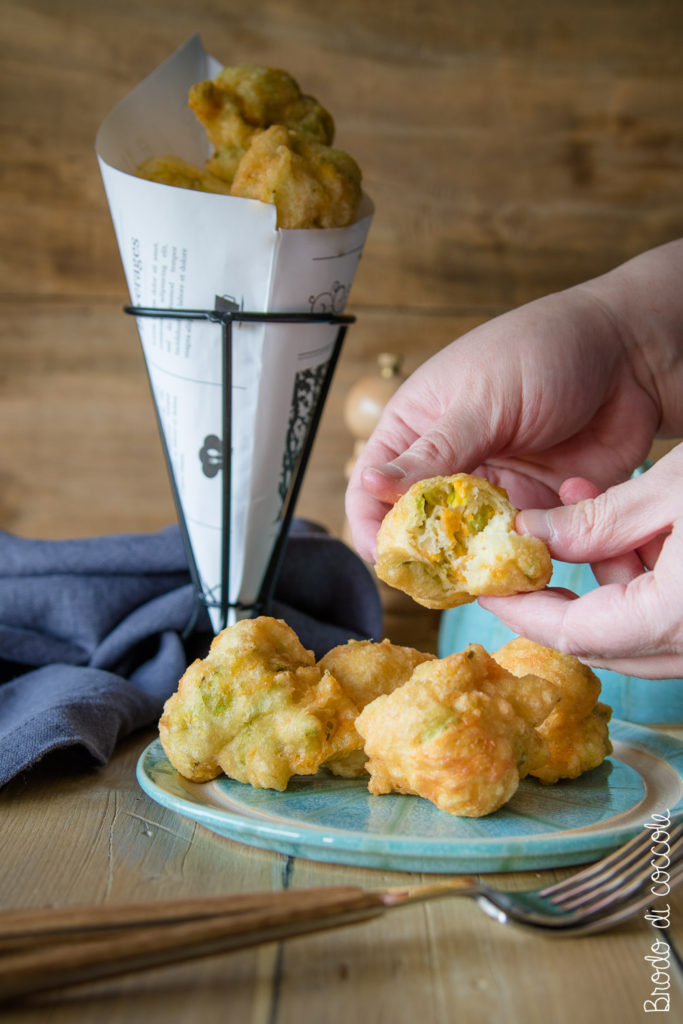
[365,669]
[447,735]
[271,143]
[256,708]
[450,539]
[576,730]
[311,185]
[245,99]
[172,170]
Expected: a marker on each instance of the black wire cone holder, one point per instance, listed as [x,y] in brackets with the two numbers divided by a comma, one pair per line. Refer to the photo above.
[225,319]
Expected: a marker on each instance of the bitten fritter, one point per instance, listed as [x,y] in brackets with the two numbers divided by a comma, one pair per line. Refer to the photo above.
[450,539]
[310,184]
[447,735]
[172,170]
[576,730]
[257,708]
[365,670]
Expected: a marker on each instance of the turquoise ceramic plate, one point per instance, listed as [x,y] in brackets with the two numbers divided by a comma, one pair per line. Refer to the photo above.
[336,820]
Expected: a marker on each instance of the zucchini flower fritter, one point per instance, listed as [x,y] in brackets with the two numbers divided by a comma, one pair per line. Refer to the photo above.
[172,170]
[450,539]
[244,99]
[271,143]
[449,734]
[311,185]
[256,708]
[365,670]
[576,730]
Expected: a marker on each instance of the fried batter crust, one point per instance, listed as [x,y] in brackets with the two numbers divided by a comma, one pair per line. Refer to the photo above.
[172,170]
[271,143]
[310,184]
[449,736]
[450,539]
[257,708]
[365,670]
[576,730]
[244,99]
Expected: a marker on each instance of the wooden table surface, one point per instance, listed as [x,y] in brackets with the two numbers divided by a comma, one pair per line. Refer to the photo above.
[510,150]
[72,836]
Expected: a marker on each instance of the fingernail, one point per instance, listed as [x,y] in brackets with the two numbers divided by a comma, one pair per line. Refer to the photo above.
[389,469]
[536,522]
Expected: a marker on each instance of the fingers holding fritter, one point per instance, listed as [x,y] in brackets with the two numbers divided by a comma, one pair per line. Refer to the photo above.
[450,539]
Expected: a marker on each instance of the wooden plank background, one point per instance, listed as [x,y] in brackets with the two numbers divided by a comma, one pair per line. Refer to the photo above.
[510,150]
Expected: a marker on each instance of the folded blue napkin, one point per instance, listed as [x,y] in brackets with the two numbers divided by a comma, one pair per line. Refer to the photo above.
[91,631]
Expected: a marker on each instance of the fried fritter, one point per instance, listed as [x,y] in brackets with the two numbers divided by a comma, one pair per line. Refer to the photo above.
[450,539]
[172,170]
[449,736]
[576,730]
[244,99]
[365,669]
[311,184]
[271,143]
[256,708]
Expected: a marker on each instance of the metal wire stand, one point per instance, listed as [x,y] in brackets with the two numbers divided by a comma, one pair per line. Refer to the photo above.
[225,320]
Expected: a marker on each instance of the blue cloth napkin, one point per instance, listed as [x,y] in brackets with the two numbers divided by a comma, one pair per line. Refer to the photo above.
[91,640]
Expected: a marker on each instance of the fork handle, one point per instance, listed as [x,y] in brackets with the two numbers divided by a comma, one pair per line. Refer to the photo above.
[105,954]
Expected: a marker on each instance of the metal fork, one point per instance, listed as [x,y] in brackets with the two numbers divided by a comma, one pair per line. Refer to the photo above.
[49,948]
[628,880]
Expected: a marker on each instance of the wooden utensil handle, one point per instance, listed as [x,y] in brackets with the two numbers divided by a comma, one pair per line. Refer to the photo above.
[106,954]
[53,921]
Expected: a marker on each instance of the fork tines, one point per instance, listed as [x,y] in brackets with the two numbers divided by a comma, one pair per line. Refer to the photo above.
[621,873]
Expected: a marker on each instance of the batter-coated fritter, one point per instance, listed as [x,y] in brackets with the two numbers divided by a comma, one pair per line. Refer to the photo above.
[450,539]
[172,170]
[271,143]
[365,670]
[256,708]
[311,185]
[244,99]
[447,735]
[576,730]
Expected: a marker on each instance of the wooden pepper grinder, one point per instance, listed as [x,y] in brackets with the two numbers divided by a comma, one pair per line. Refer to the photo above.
[364,405]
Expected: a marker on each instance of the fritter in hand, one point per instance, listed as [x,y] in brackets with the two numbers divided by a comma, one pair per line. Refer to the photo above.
[256,708]
[576,730]
[311,184]
[365,670]
[451,539]
[447,735]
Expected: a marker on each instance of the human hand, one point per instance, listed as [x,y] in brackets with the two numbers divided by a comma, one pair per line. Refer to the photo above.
[522,400]
[632,534]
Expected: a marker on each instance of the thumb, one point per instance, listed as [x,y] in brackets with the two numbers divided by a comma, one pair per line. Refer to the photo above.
[593,529]
[437,452]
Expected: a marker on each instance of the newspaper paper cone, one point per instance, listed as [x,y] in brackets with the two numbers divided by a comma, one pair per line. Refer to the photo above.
[187,250]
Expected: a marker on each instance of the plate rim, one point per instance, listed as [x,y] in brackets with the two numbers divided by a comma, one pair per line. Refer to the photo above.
[398,852]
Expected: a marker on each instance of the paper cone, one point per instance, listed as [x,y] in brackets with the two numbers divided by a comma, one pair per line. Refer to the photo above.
[187,250]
